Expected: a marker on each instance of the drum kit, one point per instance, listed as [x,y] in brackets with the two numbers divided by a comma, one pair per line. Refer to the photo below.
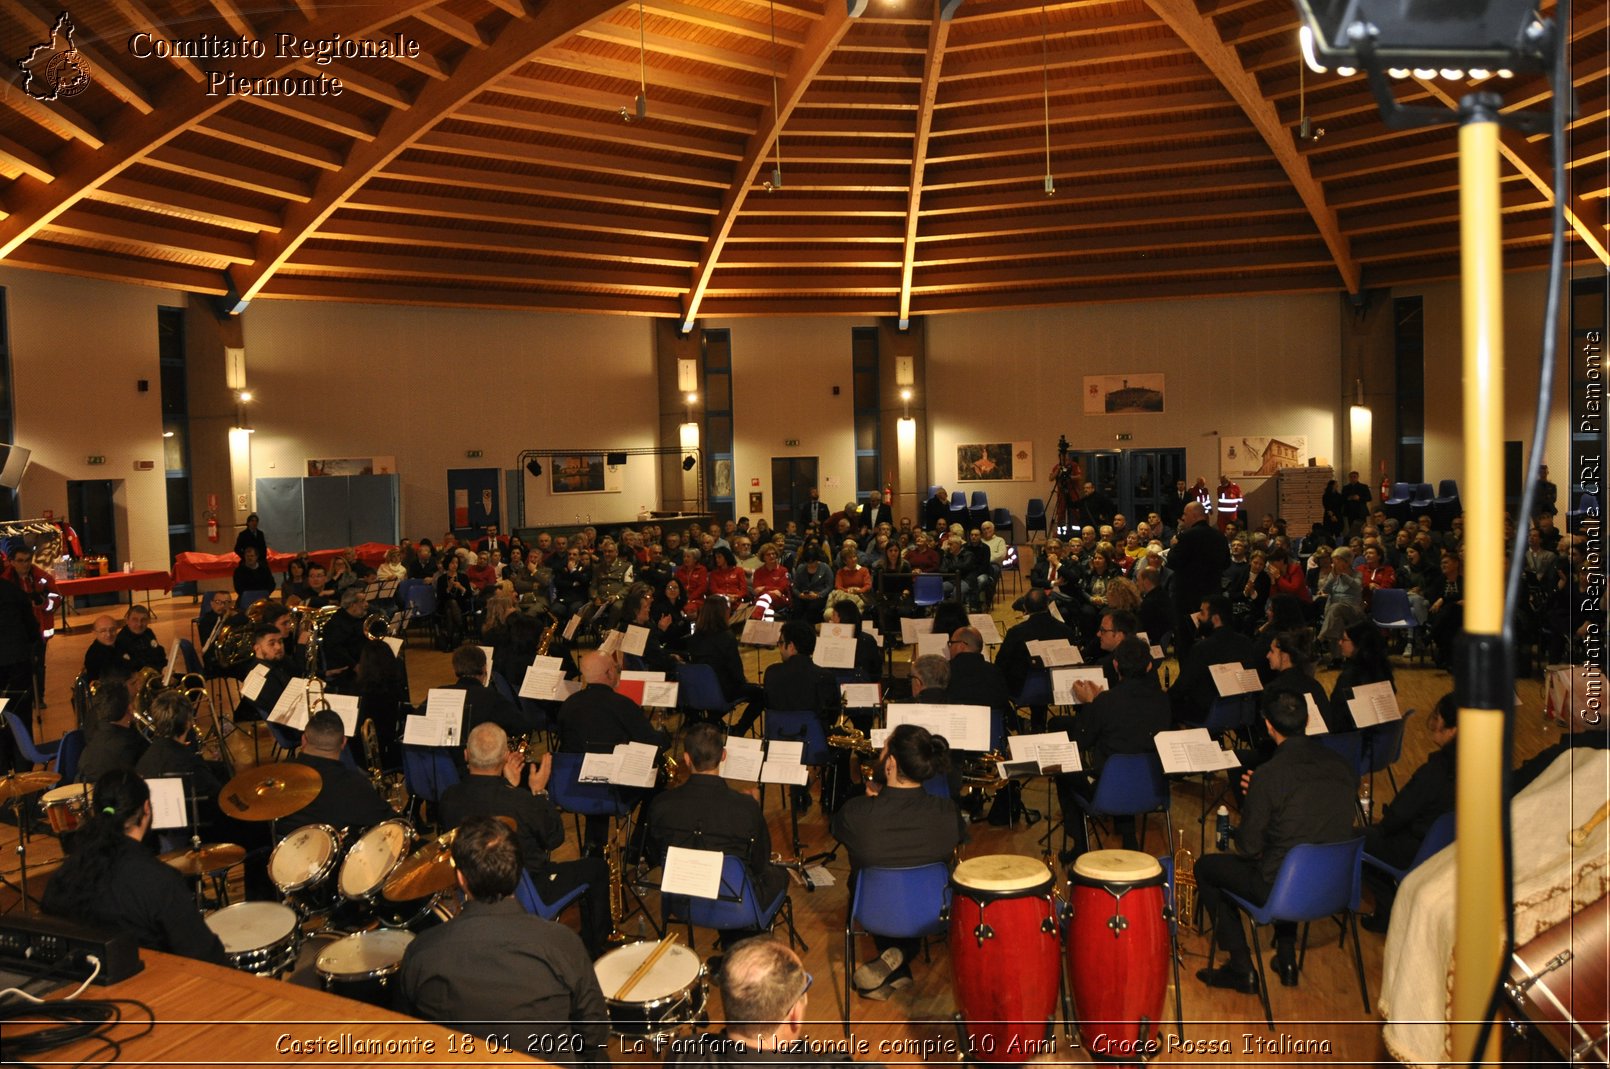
[1015,946]
[15,787]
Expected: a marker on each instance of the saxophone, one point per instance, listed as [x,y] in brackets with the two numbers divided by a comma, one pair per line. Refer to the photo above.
[529,743]
[617,885]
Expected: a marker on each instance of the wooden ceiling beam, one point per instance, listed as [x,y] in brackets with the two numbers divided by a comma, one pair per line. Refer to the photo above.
[649,135]
[1135,268]
[664,44]
[1179,187]
[1280,22]
[809,232]
[1215,127]
[1029,61]
[39,20]
[344,228]
[155,238]
[1424,153]
[1532,162]
[750,257]
[1199,33]
[21,157]
[139,15]
[91,263]
[770,284]
[444,207]
[1446,240]
[1169,211]
[955,253]
[419,296]
[743,90]
[316,259]
[455,26]
[611,102]
[1106,21]
[230,12]
[653,198]
[1362,223]
[938,35]
[59,117]
[319,113]
[799,204]
[848,153]
[363,82]
[808,59]
[1159,290]
[956,122]
[962,177]
[226,172]
[984,94]
[860,128]
[600,160]
[237,132]
[513,46]
[752,29]
[137,193]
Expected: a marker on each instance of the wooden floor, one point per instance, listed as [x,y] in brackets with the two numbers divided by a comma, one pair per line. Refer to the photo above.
[1220,1027]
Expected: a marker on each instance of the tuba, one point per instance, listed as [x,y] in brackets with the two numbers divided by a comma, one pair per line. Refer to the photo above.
[147,683]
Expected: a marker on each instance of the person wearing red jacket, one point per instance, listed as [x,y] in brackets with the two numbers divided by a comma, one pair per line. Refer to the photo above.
[41,591]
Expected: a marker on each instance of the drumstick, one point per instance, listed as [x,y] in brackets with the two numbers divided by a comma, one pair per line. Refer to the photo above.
[648,963]
[1580,836]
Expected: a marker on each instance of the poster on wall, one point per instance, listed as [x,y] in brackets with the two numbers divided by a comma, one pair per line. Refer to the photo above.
[1249,457]
[1122,395]
[583,473]
[995,462]
[351,466]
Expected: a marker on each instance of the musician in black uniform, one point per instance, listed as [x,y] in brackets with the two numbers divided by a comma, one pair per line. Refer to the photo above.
[705,813]
[493,789]
[344,638]
[483,704]
[898,824]
[104,654]
[1217,642]
[140,642]
[346,798]
[796,683]
[495,970]
[115,743]
[111,880]
[596,719]
[268,653]
[1014,659]
[171,752]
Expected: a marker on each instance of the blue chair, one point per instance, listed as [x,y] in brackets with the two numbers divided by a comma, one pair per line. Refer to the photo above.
[1315,881]
[421,602]
[1130,785]
[1390,610]
[938,786]
[1231,716]
[428,771]
[1002,519]
[1420,504]
[978,509]
[42,754]
[503,688]
[1034,518]
[735,907]
[286,740]
[583,799]
[897,903]
[1036,690]
[1383,745]
[526,893]
[191,659]
[1397,505]
[958,508]
[789,725]
[1586,505]
[67,755]
[1445,506]
[698,690]
[248,598]
[1348,745]
[1438,836]
[927,590]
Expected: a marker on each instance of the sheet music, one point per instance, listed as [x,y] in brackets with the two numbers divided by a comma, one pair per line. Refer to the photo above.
[488,651]
[761,632]
[211,638]
[1233,679]
[1055,610]
[645,677]
[252,685]
[1192,750]
[860,695]
[635,641]
[791,772]
[1374,703]
[743,760]
[937,645]
[911,627]
[169,807]
[786,751]
[541,683]
[548,662]
[346,707]
[611,643]
[173,659]
[291,709]
[1153,648]
[1027,747]
[1055,651]
[834,653]
[1316,722]
[986,627]
[1059,757]
[965,727]
[446,706]
[393,644]
[659,695]
[422,731]
[838,631]
[877,737]
[635,765]
[1062,682]
[597,768]
[571,625]
[868,628]
[692,872]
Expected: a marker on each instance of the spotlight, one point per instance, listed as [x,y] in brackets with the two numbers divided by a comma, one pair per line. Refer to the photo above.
[533,467]
[614,460]
[244,396]
[688,462]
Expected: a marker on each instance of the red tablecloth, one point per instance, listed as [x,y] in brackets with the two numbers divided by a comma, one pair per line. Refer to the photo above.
[192,566]
[108,584]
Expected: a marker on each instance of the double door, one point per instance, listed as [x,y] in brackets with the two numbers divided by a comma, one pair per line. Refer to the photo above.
[1135,480]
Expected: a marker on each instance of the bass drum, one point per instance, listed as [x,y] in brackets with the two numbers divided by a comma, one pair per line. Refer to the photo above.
[1559,981]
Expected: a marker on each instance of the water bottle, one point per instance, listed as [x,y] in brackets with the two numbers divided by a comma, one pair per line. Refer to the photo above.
[1223,828]
[1365,804]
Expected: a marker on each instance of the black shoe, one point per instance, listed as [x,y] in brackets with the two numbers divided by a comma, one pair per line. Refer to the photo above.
[1377,922]
[1230,977]
[1286,968]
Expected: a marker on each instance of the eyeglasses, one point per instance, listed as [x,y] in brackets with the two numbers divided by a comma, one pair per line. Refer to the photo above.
[806,989]
[1108,631]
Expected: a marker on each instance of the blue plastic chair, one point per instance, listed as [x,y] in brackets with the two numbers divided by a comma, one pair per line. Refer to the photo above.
[1230,716]
[698,690]
[1034,518]
[1315,881]
[286,740]
[428,771]
[1438,836]
[958,508]
[1130,785]
[1420,504]
[1348,745]
[42,754]
[1397,505]
[583,799]
[1445,506]
[421,602]
[927,590]
[1036,690]
[192,659]
[1002,519]
[1389,608]
[978,509]
[897,903]
[735,907]
[526,893]
[938,786]
[1383,745]
[67,755]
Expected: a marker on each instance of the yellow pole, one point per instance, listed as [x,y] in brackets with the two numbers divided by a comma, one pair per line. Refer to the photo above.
[1479,927]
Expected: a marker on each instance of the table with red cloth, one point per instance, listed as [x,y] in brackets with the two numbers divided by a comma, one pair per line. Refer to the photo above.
[111,583]
[188,567]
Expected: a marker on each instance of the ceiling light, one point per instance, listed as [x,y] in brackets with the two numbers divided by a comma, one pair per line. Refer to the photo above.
[533,467]
[167,434]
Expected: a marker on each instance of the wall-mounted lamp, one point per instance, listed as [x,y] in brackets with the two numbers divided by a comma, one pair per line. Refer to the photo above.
[688,462]
[244,396]
[533,467]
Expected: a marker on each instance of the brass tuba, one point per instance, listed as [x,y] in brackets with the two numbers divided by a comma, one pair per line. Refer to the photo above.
[147,683]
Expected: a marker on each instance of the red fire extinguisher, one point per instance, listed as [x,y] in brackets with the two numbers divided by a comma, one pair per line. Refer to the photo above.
[212,527]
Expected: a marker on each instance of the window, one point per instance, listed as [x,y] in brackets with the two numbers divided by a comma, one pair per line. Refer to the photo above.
[868,411]
[1408,322]
[716,346]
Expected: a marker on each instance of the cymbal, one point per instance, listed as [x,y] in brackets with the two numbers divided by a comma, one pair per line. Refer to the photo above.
[20,783]
[269,792]
[429,870]
[212,857]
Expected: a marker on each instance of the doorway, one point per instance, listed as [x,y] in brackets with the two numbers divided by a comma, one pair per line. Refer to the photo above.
[92,510]
[1135,480]
[791,482]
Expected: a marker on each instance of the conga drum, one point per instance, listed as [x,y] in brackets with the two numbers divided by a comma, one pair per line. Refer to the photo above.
[1558,980]
[1004,954]
[1118,949]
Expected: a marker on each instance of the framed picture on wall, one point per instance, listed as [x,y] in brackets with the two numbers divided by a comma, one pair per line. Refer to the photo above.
[1250,457]
[994,462]
[1115,395]
[583,473]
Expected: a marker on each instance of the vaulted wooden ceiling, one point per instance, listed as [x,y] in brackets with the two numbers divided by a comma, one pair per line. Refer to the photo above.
[504,165]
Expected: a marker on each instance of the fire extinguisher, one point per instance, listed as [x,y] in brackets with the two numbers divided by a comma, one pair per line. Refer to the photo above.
[1386,483]
[212,527]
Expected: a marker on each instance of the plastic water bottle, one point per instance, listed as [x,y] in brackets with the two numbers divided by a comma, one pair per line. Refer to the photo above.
[1365,804]
[1223,828]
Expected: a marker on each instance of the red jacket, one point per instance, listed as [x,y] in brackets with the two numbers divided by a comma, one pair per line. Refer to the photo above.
[41,590]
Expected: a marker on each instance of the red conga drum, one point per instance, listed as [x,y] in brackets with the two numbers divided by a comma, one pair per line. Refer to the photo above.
[1559,981]
[1118,949]
[1004,955]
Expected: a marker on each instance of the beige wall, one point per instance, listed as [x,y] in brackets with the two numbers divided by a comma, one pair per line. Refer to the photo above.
[78,347]
[1252,366]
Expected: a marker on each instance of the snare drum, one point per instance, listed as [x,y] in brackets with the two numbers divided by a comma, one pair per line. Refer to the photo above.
[1118,949]
[301,867]
[670,996]
[66,807]
[361,966]
[372,858]
[1005,953]
[258,937]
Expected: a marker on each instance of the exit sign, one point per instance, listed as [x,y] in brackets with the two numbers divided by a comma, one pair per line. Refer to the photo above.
[791,441]
[473,454]
[95,460]
[1124,437]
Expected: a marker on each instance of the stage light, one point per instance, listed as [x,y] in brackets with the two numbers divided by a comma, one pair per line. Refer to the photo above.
[688,462]
[533,467]
[1426,34]
[614,460]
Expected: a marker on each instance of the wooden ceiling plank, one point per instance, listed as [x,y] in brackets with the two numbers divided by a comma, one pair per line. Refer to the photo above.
[311,258]
[652,227]
[454,26]
[1517,198]
[154,237]
[1532,161]
[753,29]
[26,160]
[1030,63]
[612,131]
[425,64]
[1170,211]
[178,107]
[986,94]
[139,194]
[1159,290]
[576,59]
[242,176]
[835,231]
[656,198]
[137,13]
[955,122]
[342,228]
[362,81]
[230,12]
[1174,186]
[59,117]
[319,113]
[1131,134]
[938,34]
[437,100]
[89,263]
[611,102]
[600,160]
[954,253]
[823,37]
[345,291]
[1106,21]
[663,44]
[962,176]
[236,132]
[1137,268]
[40,20]
[1199,33]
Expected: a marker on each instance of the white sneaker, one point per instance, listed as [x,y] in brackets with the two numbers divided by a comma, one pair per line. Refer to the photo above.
[874,973]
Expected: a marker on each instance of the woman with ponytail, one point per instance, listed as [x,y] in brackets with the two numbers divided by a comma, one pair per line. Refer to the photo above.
[110,880]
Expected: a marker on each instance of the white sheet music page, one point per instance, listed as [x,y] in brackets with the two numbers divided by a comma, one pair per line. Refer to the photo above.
[761,632]
[791,772]
[1232,679]
[611,643]
[1056,652]
[1374,703]
[1191,750]
[394,645]
[868,627]
[911,627]
[636,765]
[252,685]
[1316,722]
[446,706]
[838,631]
[597,767]
[169,807]
[422,731]
[934,645]
[696,873]
[644,677]
[986,627]
[965,727]
[834,653]
[291,709]
[541,683]
[743,760]
[1062,680]
[571,625]
[659,694]
[859,695]
[636,640]
[173,661]
[1056,611]
[346,707]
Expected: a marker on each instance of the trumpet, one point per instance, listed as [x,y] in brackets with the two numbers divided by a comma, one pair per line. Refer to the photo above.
[1185,885]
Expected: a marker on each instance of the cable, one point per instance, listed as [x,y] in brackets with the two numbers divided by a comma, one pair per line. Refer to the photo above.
[96,971]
